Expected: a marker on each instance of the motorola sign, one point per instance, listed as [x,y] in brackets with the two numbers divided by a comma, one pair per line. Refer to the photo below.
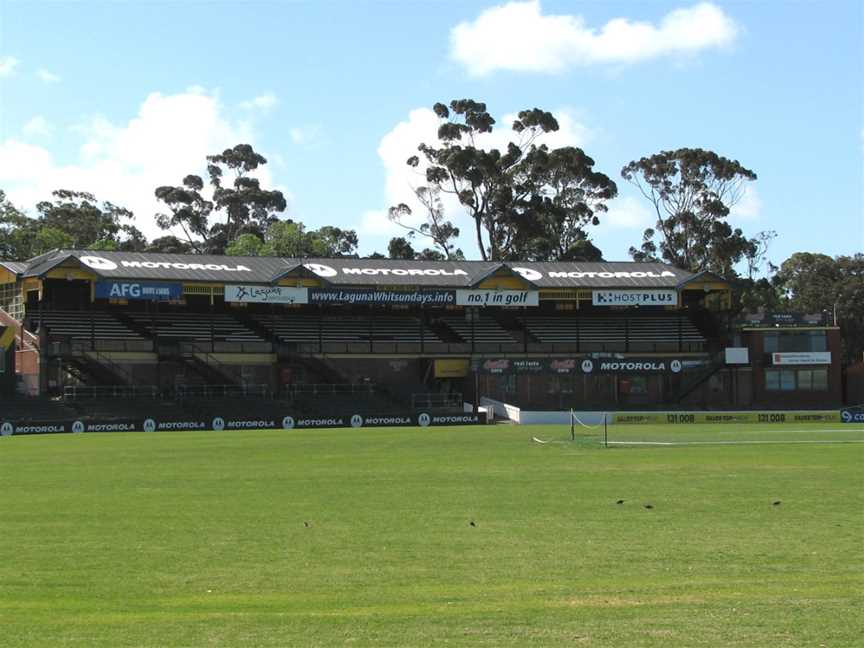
[320,269]
[98,263]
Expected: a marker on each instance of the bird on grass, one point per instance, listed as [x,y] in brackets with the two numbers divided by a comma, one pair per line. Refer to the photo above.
[471,523]
[777,503]
[620,502]
[306,524]
[649,506]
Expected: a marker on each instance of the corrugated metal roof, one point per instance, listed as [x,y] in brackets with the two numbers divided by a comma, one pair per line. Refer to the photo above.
[358,272]
[15,267]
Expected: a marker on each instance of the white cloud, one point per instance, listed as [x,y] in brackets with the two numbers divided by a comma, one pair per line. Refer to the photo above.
[627,212]
[305,135]
[517,36]
[401,143]
[263,103]
[37,127]
[7,65]
[749,207]
[46,76]
[170,137]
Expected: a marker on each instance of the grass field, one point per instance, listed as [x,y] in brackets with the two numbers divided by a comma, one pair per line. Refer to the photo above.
[198,539]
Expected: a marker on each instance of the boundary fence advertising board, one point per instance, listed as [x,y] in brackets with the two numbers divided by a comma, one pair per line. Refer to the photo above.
[685,418]
[218,423]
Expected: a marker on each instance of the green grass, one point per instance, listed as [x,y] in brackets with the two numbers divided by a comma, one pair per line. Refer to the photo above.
[197,539]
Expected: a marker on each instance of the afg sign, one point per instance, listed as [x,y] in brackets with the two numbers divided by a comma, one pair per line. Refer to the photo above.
[139,290]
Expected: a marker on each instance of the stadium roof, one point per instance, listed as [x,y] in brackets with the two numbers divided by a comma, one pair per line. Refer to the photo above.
[353,272]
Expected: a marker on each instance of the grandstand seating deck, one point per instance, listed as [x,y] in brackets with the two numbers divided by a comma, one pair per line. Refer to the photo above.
[606,332]
[83,325]
[484,329]
[306,328]
[35,409]
[196,327]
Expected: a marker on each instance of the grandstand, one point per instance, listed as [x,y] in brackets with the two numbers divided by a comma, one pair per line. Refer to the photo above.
[112,334]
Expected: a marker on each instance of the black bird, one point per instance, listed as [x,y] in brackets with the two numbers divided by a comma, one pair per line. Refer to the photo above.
[471,523]
[648,506]
[306,524]
[620,502]
[777,503]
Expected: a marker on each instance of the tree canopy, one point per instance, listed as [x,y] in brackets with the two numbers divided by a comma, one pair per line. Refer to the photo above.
[290,239]
[518,195]
[692,192]
[73,219]
[240,207]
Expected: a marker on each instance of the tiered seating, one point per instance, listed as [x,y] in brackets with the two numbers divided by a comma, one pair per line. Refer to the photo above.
[663,330]
[603,332]
[38,409]
[84,325]
[196,327]
[305,328]
[570,330]
[484,329]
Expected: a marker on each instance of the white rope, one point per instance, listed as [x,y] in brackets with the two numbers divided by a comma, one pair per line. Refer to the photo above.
[573,417]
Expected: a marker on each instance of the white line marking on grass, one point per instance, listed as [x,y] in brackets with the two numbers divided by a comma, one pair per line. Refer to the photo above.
[686,443]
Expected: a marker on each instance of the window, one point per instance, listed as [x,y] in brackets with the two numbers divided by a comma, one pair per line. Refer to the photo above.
[785,341]
[813,379]
[796,380]
[779,379]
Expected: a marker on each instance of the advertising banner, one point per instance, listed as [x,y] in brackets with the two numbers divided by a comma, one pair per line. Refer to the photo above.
[774,320]
[686,418]
[373,296]
[218,423]
[8,428]
[584,365]
[266,294]
[631,365]
[801,358]
[634,298]
[497,297]
[852,415]
[140,290]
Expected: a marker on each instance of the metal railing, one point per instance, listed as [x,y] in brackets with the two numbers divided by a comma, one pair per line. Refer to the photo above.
[186,392]
[88,392]
[433,401]
[329,388]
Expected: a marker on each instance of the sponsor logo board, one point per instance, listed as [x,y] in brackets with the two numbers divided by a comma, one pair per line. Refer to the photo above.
[497,298]
[266,294]
[137,290]
[373,296]
[101,263]
[852,415]
[685,418]
[585,365]
[9,428]
[634,297]
[801,358]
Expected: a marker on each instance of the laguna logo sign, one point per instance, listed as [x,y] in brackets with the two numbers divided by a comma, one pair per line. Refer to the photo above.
[266,294]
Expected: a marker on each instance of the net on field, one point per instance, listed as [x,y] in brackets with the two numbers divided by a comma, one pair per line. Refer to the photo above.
[674,429]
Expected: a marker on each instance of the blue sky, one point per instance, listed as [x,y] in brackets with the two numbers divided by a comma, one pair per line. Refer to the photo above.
[116,98]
